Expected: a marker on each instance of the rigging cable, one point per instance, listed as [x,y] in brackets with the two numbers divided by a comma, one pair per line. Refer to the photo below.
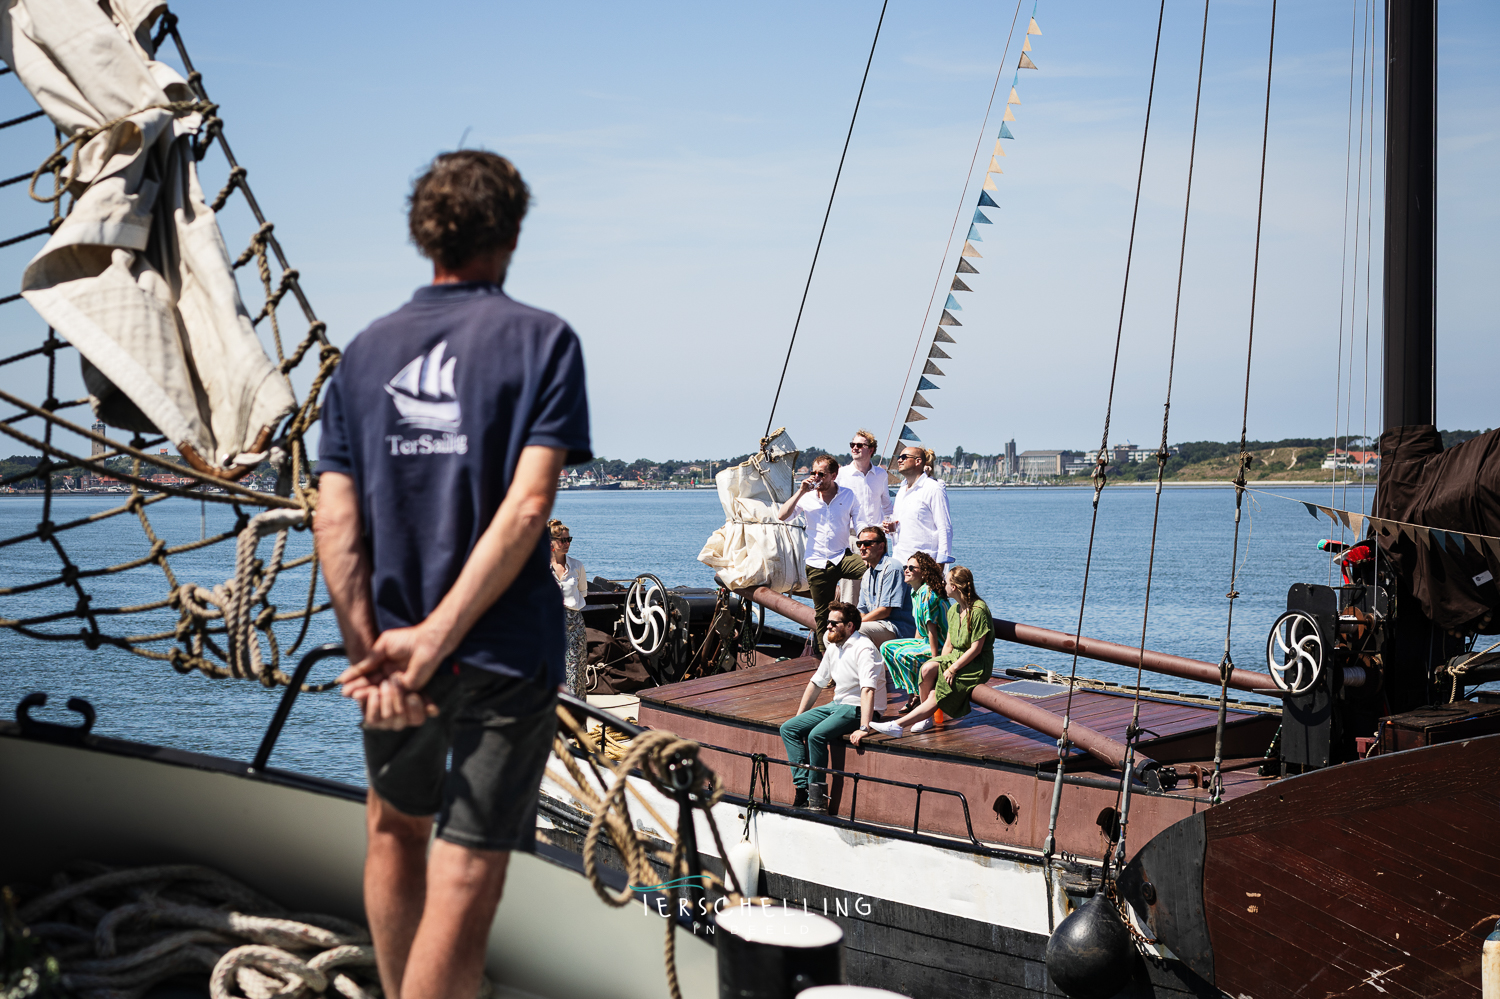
[963,200]
[1050,845]
[1338,367]
[1161,455]
[1226,665]
[1367,192]
[829,211]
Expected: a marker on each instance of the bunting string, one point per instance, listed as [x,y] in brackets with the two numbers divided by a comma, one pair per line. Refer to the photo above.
[1361,525]
[948,320]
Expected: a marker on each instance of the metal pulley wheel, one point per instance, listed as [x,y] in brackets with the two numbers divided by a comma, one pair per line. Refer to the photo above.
[1295,652]
[646,616]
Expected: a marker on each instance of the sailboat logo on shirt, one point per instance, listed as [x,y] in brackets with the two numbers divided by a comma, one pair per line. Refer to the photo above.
[423,391]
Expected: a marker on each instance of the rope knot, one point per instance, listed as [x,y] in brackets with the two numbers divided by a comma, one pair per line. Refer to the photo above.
[45,530]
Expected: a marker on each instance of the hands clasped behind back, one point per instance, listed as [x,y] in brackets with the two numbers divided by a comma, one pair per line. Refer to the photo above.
[388,682]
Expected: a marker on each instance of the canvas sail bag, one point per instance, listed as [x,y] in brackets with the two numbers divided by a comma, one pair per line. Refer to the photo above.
[137,276]
[754,548]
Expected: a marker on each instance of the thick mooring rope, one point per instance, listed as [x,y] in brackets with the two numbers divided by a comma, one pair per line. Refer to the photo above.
[116,933]
[654,755]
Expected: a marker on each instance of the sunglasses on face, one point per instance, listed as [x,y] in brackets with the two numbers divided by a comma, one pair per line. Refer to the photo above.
[855,444]
[906,457]
[837,624]
[562,541]
[867,544]
[908,568]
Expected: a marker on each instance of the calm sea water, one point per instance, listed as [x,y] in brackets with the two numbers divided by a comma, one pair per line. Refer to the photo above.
[1025,546]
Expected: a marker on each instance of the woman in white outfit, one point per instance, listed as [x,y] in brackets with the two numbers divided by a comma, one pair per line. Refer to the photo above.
[568,572]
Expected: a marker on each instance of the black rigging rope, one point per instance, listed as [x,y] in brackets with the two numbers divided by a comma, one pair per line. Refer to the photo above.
[829,211]
[1162,454]
[1226,665]
[1098,476]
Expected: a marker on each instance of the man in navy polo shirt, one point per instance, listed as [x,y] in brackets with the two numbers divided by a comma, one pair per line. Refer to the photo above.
[444,430]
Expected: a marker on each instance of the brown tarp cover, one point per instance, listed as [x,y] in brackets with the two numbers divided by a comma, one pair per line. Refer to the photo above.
[1453,490]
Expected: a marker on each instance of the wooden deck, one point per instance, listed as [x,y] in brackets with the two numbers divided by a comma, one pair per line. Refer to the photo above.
[984,756]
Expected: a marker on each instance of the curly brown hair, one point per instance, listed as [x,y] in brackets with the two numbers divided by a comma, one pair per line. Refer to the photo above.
[929,573]
[467,203]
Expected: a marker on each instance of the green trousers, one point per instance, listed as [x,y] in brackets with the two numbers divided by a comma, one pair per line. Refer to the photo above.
[823,581]
[808,735]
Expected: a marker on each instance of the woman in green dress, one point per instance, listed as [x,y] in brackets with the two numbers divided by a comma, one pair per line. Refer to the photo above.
[904,656]
[968,657]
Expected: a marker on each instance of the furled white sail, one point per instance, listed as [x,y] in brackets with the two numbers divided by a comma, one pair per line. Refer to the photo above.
[137,276]
[754,548]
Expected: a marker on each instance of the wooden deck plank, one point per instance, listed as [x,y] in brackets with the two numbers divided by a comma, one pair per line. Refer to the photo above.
[674,692]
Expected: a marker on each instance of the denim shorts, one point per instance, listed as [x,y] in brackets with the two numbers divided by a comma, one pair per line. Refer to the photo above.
[499,731]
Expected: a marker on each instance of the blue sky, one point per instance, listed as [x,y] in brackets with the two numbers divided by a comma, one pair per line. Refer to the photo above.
[681,155]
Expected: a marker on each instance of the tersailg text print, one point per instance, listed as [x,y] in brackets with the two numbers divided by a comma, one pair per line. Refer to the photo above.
[428,444]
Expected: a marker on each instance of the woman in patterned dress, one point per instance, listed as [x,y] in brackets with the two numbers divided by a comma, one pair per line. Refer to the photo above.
[568,572]
[904,656]
[948,682]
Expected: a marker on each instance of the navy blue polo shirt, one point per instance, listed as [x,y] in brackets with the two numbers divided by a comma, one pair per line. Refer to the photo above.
[428,412]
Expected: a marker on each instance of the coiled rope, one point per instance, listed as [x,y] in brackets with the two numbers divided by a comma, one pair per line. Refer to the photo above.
[117,933]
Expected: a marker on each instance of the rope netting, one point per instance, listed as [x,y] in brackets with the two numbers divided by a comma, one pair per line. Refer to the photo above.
[225,629]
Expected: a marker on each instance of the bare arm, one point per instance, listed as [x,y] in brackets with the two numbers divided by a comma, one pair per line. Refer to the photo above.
[408,657]
[809,697]
[876,614]
[866,706]
[789,508]
[346,564]
[932,642]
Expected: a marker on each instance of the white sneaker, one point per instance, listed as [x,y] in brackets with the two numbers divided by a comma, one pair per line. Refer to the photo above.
[921,726]
[886,728]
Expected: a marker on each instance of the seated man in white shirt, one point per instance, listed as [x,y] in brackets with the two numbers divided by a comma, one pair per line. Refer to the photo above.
[920,519]
[827,510]
[853,667]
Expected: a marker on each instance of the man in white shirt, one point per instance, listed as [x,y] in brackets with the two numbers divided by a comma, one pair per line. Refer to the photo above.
[872,495]
[828,511]
[852,666]
[920,517]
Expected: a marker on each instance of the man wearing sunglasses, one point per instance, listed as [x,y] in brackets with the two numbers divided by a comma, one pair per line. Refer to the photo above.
[853,668]
[885,608]
[827,510]
[920,519]
[872,494]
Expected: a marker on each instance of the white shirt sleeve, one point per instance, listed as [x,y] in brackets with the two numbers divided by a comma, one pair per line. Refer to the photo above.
[871,671]
[944,524]
[823,676]
[887,505]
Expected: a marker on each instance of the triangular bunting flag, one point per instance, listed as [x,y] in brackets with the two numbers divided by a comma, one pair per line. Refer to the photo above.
[1025,62]
[917,400]
[952,303]
[1311,510]
[1015,98]
[995,166]
[1328,513]
[1026,45]
[932,369]
[1343,517]
[1441,537]
[1493,544]
[980,218]
[964,267]
[941,336]
[969,251]
[1033,30]
[1008,117]
[1406,531]
[999,149]
[949,319]
[1420,533]
[989,184]
[1475,542]
[1004,132]
[926,386]
[907,435]
[1456,540]
[985,201]
[912,416]
[958,285]
[1357,524]
[937,351]
[973,235]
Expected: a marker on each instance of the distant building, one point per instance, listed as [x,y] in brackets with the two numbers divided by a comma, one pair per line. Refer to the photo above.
[1359,461]
[1012,466]
[1042,464]
[96,448]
